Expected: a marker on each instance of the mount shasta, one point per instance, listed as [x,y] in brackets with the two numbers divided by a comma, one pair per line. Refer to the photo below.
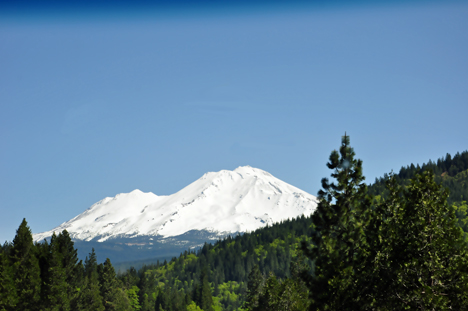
[138,225]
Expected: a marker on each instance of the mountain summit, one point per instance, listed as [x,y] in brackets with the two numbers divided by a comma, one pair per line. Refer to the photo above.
[137,225]
[219,202]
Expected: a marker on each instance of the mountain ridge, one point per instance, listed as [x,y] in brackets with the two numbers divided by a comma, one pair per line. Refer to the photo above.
[221,203]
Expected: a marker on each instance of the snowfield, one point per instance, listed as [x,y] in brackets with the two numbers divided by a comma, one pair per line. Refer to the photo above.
[219,202]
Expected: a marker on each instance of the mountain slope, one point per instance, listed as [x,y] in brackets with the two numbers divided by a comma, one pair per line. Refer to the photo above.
[219,203]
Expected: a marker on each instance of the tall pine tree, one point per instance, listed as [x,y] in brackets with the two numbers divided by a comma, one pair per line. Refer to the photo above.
[69,262]
[254,288]
[108,283]
[56,279]
[339,241]
[26,270]
[202,292]
[89,294]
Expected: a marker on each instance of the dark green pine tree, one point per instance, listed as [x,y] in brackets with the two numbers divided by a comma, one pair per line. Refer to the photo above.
[89,294]
[144,293]
[69,262]
[43,254]
[8,297]
[56,280]
[161,300]
[254,288]
[202,292]
[108,282]
[26,272]
[268,299]
[91,265]
[339,241]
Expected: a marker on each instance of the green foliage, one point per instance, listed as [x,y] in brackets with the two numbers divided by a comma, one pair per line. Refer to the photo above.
[56,286]
[229,262]
[26,272]
[421,259]
[404,252]
[273,295]
[230,296]
[339,271]
[461,212]
[452,173]
[193,307]
[202,292]
[89,297]
[110,292]
[45,276]
[338,245]
[91,265]
[8,296]
[132,294]
[254,287]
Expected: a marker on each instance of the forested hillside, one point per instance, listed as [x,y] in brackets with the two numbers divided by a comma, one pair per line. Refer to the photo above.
[391,245]
[223,268]
[450,172]
[272,256]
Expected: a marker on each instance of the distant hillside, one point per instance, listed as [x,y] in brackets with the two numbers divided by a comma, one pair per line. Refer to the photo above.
[450,172]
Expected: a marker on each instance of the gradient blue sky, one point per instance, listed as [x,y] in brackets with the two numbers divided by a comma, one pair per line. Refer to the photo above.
[99,100]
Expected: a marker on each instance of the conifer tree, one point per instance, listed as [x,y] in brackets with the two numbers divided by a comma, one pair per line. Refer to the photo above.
[91,264]
[108,284]
[69,261]
[268,299]
[339,242]
[254,287]
[56,281]
[202,293]
[8,296]
[144,286]
[161,300]
[89,297]
[89,294]
[26,270]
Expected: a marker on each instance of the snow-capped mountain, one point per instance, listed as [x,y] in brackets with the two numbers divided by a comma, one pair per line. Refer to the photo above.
[218,203]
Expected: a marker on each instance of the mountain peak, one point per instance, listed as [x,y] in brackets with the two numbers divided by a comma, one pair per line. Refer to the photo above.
[251,170]
[225,201]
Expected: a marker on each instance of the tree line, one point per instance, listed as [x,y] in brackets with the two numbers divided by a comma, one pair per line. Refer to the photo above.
[400,249]
[404,250]
[397,244]
[48,276]
[450,172]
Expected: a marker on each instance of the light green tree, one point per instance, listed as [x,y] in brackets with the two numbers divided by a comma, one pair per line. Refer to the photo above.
[132,294]
[193,307]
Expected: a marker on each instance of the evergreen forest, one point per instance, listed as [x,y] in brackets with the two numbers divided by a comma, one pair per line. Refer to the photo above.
[397,244]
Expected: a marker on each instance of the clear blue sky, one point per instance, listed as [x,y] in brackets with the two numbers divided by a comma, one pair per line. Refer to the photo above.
[100,100]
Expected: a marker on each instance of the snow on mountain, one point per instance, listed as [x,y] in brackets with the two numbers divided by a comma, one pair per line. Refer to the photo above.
[219,202]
